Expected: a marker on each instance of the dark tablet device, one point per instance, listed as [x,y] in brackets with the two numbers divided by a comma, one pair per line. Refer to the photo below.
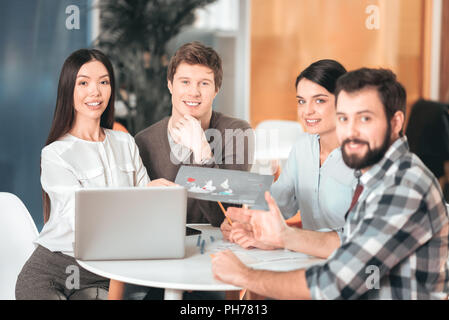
[191,231]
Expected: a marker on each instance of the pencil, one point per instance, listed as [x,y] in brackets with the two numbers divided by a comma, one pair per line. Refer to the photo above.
[224,212]
[202,246]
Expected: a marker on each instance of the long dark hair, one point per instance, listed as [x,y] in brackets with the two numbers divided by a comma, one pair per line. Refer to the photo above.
[324,73]
[64,114]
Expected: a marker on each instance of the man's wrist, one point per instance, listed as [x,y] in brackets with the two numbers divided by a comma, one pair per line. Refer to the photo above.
[286,236]
[203,154]
[246,280]
[206,152]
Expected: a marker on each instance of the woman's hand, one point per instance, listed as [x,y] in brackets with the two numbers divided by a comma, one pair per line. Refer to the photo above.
[161,183]
[236,215]
[241,231]
[226,228]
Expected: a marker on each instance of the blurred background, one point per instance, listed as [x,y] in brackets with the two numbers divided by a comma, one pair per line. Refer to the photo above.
[264,45]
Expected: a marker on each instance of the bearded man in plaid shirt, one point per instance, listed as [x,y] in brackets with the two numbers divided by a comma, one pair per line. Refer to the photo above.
[395,242]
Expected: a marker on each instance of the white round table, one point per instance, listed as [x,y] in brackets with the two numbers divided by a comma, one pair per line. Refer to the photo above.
[194,272]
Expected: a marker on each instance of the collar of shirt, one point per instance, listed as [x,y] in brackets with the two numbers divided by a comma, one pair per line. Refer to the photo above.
[376,173]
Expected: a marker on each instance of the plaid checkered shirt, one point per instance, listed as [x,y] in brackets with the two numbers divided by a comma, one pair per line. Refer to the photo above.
[395,241]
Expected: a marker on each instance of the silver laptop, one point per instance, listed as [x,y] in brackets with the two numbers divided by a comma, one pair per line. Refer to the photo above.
[130,223]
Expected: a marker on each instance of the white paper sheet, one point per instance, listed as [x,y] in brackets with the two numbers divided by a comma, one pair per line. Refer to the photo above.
[280,259]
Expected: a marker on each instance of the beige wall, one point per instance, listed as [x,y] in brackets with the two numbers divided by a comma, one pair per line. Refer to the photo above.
[288,35]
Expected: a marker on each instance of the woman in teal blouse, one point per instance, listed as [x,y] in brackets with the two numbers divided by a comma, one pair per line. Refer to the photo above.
[315,179]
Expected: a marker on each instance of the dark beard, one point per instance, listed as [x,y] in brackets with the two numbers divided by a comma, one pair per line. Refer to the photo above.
[372,157]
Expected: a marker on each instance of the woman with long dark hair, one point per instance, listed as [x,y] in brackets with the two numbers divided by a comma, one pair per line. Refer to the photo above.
[315,179]
[81,151]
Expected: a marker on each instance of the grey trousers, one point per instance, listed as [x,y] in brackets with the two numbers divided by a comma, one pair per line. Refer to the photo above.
[55,276]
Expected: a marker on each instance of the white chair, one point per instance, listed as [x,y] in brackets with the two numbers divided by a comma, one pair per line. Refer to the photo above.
[274,141]
[17,232]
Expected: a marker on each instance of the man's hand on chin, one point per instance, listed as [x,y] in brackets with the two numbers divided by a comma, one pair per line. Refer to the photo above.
[189,133]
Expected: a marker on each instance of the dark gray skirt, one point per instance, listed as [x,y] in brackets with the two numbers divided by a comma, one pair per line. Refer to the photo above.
[51,275]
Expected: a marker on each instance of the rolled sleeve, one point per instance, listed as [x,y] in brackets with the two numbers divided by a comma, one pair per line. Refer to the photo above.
[340,233]
[394,225]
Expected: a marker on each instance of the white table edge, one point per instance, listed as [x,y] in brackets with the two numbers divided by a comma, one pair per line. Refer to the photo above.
[221,286]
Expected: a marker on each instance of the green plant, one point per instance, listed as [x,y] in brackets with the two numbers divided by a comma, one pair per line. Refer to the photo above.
[134,34]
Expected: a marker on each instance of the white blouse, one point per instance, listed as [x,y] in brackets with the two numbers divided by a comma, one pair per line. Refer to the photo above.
[71,163]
